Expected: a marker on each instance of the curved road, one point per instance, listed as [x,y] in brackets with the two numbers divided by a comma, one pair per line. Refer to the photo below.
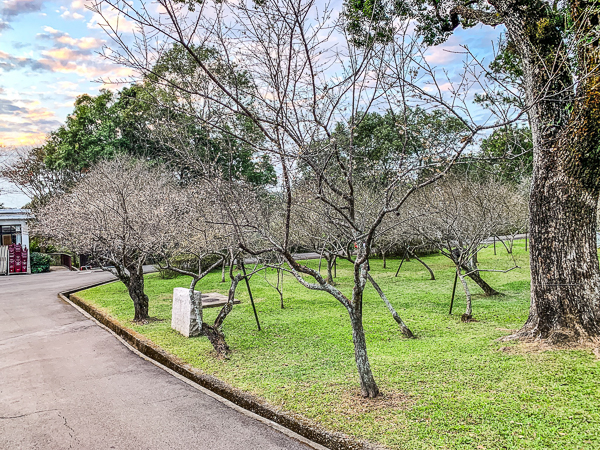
[67,383]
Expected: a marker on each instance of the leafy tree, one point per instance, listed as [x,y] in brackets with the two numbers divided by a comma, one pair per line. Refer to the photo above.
[551,54]
[382,143]
[506,155]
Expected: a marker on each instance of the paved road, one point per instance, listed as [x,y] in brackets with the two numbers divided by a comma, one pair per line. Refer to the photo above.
[67,383]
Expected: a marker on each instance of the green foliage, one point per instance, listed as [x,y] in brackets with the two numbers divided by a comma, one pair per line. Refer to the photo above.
[40,262]
[507,155]
[230,144]
[454,387]
[379,142]
[37,244]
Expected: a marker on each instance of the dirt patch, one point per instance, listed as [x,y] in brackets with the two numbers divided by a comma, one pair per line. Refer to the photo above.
[352,403]
[147,321]
[528,348]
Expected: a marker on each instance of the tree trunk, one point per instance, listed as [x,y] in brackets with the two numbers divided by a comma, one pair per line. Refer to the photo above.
[135,287]
[432,276]
[216,338]
[223,271]
[565,277]
[329,271]
[213,332]
[197,307]
[565,125]
[474,275]
[368,387]
[405,330]
[468,315]
[384,261]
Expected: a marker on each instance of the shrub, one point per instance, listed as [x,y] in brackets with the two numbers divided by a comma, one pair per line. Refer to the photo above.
[40,262]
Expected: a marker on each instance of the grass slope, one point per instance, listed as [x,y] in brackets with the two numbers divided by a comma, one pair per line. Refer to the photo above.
[454,387]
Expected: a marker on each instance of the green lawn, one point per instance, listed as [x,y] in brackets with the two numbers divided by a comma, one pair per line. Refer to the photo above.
[453,387]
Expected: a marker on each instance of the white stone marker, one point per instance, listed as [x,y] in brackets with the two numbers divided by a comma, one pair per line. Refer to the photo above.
[183,318]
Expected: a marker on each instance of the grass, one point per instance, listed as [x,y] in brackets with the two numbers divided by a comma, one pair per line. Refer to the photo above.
[454,387]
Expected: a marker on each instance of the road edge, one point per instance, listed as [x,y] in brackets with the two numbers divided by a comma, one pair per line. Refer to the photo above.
[293,426]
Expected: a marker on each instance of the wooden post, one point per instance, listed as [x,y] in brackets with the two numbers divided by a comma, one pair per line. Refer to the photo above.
[453,292]
[250,294]
[526,241]
[494,245]
[335,266]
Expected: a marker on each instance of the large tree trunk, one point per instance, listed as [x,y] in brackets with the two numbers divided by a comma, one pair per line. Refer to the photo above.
[135,287]
[565,276]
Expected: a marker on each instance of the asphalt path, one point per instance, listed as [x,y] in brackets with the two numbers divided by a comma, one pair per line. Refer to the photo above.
[66,383]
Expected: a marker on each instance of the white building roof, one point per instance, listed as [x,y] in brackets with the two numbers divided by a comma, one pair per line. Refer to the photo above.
[8,215]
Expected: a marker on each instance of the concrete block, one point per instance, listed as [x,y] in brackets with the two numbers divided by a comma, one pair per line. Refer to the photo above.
[183,318]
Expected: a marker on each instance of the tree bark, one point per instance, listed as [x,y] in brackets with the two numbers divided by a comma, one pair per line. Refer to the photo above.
[565,275]
[474,275]
[214,332]
[432,276]
[329,270]
[468,315]
[135,287]
[405,330]
[368,387]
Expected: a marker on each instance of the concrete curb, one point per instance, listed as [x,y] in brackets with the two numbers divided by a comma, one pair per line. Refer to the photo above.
[292,425]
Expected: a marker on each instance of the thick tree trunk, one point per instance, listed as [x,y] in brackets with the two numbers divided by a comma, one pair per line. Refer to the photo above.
[368,387]
[135,287]
[565,276]
[565,124]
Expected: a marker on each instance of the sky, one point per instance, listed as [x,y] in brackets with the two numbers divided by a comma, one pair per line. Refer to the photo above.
[49,56]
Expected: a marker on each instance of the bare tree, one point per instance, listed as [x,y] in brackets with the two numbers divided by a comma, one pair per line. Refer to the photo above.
[120,212]
[26,169]
[461,214]
[203,232]
[306,97]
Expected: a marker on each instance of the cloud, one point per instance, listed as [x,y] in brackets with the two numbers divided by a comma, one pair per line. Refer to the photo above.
[4,26]
[9,63]
[25,123]
[60,37]
[13,8]
[68,15]
[7,106]
[78,5]
[112,19]
[444,54]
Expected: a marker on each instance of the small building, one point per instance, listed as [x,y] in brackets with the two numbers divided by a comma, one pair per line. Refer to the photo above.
[14,241]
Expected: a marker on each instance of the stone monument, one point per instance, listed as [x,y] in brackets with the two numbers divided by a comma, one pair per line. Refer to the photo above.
[183,318]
